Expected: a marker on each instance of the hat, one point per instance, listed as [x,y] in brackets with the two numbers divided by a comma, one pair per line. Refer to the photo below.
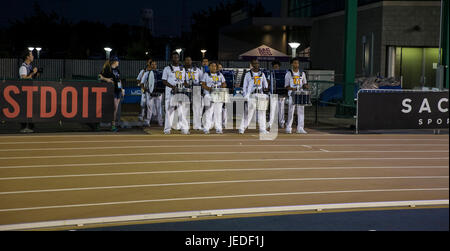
[114,58]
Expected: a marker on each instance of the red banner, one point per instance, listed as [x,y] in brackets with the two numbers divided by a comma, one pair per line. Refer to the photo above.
[39,101]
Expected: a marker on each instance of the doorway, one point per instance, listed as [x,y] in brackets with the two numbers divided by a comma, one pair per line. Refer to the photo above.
[414,65]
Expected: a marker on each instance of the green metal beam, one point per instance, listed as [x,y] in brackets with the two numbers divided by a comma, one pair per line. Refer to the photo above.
[445,41]
[351,15]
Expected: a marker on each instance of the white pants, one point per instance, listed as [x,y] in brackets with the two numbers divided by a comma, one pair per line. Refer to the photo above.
[261,117]
[153,105]
[213,110]
[143,106]
[181,121]
[300,116]
[197,110]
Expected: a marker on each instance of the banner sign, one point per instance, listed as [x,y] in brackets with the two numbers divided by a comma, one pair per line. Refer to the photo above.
[39,101]
[389,109]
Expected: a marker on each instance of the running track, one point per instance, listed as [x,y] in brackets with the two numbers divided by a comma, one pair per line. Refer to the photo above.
[54,177]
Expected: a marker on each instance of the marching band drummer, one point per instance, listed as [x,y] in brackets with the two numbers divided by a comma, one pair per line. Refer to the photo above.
[211,80]
[294,79]
[173,78]
[254,82]
[193,77]
[152,100]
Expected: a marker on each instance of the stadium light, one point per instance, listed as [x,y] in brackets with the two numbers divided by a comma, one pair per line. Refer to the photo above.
[294,46]
[108,51]
[38,49]
[203,51]
[31,48]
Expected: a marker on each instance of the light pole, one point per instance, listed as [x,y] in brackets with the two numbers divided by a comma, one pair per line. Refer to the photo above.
[294,46]
[38,49]
[203,51]
[179,50]
[108,51]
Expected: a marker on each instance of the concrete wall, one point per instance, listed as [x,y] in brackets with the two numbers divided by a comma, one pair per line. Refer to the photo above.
[392,24]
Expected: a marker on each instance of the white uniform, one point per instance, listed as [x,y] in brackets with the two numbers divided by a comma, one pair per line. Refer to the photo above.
[295,80]
[193,78]
[254,82]
[278,106]
[152,101]
[214,80]
[174,75]
[143,98]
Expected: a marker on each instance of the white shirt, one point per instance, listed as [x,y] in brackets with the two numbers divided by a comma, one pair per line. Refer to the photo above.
[141,74]
[148,83]
[175,77]
[257,82]
[214,81]
[193,74]
[298,79]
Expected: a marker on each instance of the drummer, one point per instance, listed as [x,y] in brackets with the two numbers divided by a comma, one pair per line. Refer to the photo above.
[294,80]
[211,80]
[254,82]
[174,78]
[193,75]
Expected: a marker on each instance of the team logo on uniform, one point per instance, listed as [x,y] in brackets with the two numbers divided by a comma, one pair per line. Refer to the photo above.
[191,75]
[178,75]
[297,80]
[215,78]
[257,80]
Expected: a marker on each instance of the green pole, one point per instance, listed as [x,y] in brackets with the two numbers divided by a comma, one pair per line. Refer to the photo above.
[445,41]
[351,14]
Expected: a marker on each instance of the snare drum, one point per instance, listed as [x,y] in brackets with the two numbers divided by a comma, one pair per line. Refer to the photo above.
[185,95]
[302,98]
[220,95]
[262,101]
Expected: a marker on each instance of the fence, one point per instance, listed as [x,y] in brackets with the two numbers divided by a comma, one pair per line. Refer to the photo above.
[55,69]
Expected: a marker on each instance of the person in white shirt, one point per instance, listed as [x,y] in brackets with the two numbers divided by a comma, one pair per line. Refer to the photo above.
[152,100]
[295,79]
[174,78]
[211,80]
[193,78]
[140,84]
[254,82]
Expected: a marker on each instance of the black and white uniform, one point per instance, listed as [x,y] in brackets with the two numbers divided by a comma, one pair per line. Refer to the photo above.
[152,100]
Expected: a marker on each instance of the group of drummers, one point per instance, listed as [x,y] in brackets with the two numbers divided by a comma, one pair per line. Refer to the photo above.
[204,89]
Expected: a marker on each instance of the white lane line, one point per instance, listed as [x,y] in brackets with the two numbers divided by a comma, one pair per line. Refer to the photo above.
[208,153]
[228,211]
[114,135]
[216,183]
[213,161]
[206,140]
[222,197]
[202,146]
[221,170]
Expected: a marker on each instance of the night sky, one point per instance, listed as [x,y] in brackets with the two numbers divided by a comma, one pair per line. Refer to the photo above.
[167,14]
